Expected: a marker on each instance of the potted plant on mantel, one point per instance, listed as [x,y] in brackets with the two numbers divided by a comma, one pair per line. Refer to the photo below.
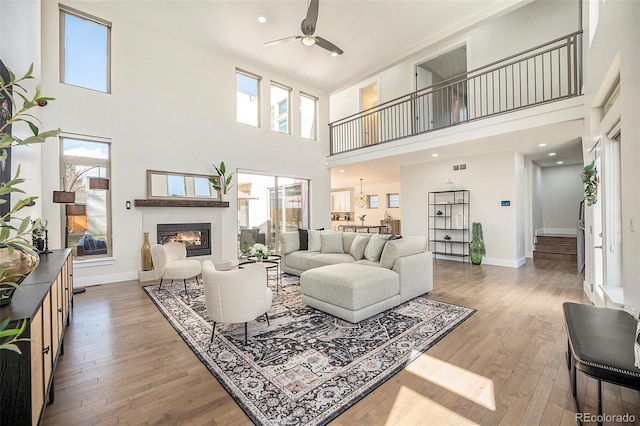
[17,257]
[222,182]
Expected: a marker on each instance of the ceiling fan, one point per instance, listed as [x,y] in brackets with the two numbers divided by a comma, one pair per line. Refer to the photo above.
[308,27]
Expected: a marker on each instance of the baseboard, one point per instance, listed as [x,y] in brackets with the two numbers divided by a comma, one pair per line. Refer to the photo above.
[104,279]
[488,261]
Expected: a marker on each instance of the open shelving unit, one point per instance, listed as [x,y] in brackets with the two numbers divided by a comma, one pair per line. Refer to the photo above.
[449,230]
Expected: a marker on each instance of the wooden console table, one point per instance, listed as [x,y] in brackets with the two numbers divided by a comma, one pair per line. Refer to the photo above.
[44,301]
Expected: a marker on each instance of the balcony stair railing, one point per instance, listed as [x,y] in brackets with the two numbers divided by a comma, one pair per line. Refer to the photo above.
[546,73]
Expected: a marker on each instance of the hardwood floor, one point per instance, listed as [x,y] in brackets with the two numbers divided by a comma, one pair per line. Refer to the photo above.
[124,363]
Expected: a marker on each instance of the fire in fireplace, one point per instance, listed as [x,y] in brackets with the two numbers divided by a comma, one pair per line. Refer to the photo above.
[195,236]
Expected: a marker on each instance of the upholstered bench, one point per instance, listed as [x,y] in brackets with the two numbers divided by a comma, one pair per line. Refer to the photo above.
[350,291]
[600,345]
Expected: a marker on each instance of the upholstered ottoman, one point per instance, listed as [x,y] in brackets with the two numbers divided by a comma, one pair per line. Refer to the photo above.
[350,291]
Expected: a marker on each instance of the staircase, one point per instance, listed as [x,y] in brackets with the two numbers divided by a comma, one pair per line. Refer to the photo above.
[556,247]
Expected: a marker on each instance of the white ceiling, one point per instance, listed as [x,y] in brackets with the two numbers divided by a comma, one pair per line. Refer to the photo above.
[373,34]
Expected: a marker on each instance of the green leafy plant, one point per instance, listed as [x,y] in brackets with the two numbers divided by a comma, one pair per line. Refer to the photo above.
[17,233]
[222,182]
[590,179]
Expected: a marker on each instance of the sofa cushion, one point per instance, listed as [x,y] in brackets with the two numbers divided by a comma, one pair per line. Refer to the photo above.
[402,247]
[300,259]
[358,245]
[347,240]
[304,239]
[315,243]
[323,259]
[290,242]
[331,242]
[350,286]
[367,262]
[374,247]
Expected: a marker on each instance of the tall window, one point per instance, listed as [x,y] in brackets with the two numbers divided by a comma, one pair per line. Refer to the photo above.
[247,98]
[280,100]
[308,116]
[85,50]
[85,170]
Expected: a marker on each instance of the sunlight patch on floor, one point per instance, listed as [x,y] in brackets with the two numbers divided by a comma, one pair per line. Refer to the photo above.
[410,407]
[472,386]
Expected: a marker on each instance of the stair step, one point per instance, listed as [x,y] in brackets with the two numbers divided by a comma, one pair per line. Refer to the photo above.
[555,256]
[556,248]
[556,239]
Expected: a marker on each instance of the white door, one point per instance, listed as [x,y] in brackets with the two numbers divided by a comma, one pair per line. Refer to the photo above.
[423,104]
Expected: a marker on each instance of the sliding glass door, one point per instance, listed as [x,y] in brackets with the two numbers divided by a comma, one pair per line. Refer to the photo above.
[268,205]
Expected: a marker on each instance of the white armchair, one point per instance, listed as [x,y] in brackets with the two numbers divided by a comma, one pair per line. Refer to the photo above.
[236,296]
[171,263]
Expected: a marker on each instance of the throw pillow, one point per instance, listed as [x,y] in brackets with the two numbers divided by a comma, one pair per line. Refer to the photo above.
[314,240]
[331,242]
[401,247]
[358,245]
[395,237]
[304,239]
[289,242]
[374,247]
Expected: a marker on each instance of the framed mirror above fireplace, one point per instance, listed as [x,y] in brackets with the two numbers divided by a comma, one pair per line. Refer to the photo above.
[165,185]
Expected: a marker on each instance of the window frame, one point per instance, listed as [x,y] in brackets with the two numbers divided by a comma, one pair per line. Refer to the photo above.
[239,71]
[314,128]
[389,200]
[87,161]
[276,116]
[377,203]
[66,10]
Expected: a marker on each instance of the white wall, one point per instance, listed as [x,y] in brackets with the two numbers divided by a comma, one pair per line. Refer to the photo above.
[561,195]
[526,27]
[19,48]
[172,108]
[537,212]
[490,178]
[616,34]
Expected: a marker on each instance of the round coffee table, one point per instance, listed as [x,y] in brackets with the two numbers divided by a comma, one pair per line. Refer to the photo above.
[270,264]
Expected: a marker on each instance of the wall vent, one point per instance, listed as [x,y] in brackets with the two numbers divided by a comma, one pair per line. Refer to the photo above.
[457,167]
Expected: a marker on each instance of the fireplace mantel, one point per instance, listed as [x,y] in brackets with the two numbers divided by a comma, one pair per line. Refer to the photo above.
[180,203]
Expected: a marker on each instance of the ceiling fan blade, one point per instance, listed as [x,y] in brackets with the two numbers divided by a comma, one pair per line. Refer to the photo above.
[325,44]
[282,40]
[309,22]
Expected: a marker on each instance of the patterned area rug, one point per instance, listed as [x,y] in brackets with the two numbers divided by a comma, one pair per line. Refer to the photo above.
[307,367]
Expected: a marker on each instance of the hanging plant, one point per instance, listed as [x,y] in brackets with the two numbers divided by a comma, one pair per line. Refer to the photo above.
[590,179]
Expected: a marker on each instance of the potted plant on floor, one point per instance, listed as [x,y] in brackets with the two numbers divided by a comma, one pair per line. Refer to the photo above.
[476,246]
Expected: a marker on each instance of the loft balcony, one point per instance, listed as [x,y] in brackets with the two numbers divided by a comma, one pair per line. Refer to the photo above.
[544,74]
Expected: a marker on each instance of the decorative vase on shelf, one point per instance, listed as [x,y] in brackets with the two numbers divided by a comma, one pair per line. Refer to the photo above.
[476,246]
[147,263]
[450,186]
[18,261]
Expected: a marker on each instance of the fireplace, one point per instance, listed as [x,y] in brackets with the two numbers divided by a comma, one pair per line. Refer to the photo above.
[195,236]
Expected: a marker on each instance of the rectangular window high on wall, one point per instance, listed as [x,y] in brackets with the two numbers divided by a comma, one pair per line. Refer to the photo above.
[85,50]
[86,165]
[308,116]
[280,100]
[247,98]
[393,201]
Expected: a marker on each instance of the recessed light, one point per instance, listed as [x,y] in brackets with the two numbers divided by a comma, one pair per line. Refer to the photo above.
[334,54]
[262,19]
[551,154]
[542,144]
[559,162]
[434,155]
[342,171]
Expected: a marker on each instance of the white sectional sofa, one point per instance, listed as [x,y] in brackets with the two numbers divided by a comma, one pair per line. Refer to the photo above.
[354,275]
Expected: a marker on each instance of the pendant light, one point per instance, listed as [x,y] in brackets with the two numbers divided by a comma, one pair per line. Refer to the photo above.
[361,199]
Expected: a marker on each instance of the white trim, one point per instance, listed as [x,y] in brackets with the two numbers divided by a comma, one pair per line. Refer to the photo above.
[105,279]
[559,231]
[83,262]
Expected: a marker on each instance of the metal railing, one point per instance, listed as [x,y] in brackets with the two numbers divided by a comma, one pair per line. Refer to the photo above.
[543,74]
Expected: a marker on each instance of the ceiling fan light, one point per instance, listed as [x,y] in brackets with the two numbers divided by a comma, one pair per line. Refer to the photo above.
[308,41]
